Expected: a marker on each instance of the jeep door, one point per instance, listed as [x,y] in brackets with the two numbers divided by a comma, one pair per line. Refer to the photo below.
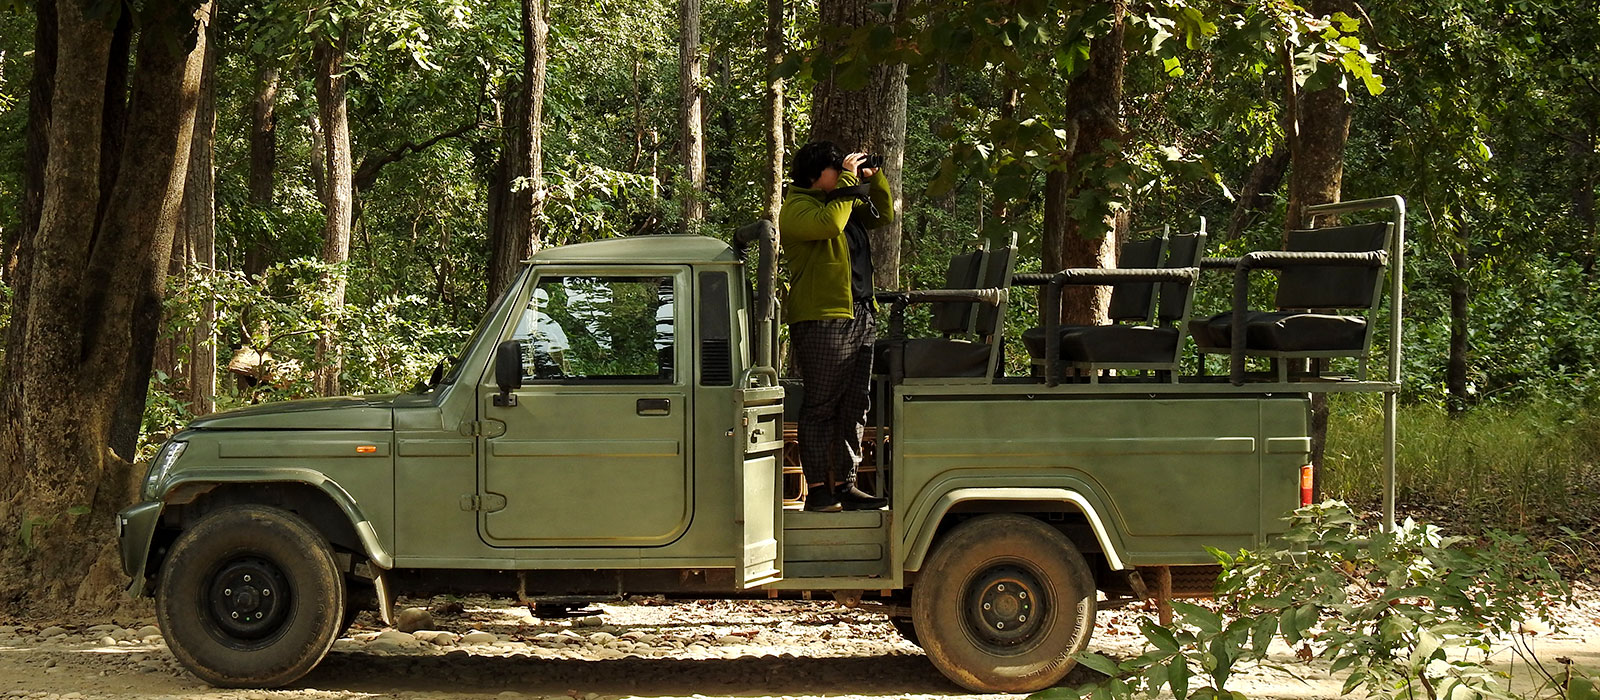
[595,451]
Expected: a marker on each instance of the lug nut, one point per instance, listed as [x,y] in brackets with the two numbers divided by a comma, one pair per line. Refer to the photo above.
[227,591]
[1001,587]
[247,578]
[1023,594]
[1022,618]
[235,615]
[986,606]
[266,591]
[999,625]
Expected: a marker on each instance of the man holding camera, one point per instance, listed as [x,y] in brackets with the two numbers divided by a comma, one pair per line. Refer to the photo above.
[823,225]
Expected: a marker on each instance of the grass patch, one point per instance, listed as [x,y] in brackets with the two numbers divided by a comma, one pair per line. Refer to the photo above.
[1517,466]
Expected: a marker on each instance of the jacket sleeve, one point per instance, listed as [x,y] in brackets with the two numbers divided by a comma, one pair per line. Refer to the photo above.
[883,199]
[805,218]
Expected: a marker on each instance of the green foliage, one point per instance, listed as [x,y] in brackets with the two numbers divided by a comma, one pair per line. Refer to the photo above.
[1515,465]
[1400,612]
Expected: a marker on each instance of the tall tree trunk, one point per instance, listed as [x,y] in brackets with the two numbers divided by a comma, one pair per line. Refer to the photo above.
[199,226]
[1321,123]
[870,120]
[691,114]
[1265,176]
[1581,159]
[772,107]
[515,232]
[332,105]
[1094,106]
[1460,300]
[88,319]
[37,141]
[263,160]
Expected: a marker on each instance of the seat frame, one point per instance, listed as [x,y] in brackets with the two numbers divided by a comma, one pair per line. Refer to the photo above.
[992,290]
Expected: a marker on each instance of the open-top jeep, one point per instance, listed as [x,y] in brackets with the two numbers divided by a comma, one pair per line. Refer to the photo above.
[615,426]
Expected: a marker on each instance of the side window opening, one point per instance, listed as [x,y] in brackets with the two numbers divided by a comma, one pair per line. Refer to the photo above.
[599,329]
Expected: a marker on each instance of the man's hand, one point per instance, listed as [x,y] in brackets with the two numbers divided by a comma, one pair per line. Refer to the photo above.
[852,165]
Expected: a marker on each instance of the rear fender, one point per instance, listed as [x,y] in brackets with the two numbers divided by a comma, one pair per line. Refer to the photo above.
[923,527]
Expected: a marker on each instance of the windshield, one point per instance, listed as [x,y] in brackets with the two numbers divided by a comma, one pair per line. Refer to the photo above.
[455,364]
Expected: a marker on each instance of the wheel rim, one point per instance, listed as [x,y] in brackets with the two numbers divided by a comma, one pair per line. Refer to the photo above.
[1005,608]
[248,599]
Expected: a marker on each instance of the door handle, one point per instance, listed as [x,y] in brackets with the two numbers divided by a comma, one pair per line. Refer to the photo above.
[653,407]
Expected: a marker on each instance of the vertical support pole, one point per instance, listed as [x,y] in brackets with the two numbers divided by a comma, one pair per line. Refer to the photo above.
[1391,400]
[1164,595]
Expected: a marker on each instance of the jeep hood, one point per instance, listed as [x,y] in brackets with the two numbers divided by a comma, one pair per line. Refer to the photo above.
[337,413]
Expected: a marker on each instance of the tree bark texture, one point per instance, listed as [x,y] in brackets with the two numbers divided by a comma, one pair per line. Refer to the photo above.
[36,147]
[691,114]
[1321,126]
[1094,109]
[87,317]
[263,160]
[332,106]
[519,194]
[1265,177]
[198,233]
[772,107]
[871,119]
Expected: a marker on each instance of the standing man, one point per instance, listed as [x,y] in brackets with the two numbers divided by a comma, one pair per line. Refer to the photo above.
[830,313]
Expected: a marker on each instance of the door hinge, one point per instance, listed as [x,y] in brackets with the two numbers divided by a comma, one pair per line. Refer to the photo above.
[483,428]
[488,502]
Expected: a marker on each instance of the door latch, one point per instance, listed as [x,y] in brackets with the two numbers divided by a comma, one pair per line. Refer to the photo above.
[488,502]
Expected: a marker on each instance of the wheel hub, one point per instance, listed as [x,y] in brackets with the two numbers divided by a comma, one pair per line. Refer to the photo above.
[249,598]
[1006,606]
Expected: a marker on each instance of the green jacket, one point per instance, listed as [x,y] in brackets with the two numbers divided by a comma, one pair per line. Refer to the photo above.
[815,250]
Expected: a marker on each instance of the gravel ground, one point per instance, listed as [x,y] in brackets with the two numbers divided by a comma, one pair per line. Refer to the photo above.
[480,648]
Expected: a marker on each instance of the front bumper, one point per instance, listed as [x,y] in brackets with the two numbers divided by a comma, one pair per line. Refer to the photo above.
[136,527]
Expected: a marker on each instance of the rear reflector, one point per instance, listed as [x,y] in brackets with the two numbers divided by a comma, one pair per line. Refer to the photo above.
[1305,485]
[366,449]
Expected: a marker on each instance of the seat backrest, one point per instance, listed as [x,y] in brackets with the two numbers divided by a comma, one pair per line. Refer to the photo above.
[997,273]
[1183,250]
[964,271]
[1135,301]
[1332,287]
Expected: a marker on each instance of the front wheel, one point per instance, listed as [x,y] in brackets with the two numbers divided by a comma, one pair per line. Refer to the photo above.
[1003,604]
[250,597]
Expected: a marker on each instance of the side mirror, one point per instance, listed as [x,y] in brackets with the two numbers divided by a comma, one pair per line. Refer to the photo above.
[508,371]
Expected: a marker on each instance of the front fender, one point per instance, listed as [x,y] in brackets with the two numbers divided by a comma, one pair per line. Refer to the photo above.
[924,521]
[137,524]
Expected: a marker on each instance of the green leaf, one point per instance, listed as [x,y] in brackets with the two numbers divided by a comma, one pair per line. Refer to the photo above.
[1097,663]
[1289,627]
[1178,677]
[1159,636]
[1261,634]
[78,510]
[1206,620]
[1580,688]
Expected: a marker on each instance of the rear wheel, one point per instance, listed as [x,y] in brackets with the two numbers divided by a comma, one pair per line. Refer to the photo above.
[250,597]
[1003,604]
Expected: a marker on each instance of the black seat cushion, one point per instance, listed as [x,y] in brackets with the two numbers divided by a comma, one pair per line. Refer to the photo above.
[1113,344]
[1283,331]
[935,357]
[1214,332]
[1305,332]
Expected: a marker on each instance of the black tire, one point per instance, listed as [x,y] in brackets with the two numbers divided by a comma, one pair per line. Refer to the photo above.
[244,561]
[906,628]
[962,606]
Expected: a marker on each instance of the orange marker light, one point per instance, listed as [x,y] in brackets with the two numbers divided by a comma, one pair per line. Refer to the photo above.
[1305,485]
[366,449]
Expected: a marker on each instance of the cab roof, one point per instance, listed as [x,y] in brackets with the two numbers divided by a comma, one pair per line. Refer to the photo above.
[637,250]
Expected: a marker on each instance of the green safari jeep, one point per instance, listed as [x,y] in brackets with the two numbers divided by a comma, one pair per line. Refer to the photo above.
[615,426]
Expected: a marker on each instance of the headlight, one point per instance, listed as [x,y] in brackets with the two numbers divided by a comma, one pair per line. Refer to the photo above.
[163,463]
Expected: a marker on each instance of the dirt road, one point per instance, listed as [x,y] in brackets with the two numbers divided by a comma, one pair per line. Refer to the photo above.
[696,649]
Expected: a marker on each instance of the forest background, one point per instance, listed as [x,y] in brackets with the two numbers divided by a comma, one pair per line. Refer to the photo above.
[207,205]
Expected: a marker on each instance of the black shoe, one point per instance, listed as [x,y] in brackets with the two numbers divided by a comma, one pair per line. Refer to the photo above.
[821,500]
[852,498]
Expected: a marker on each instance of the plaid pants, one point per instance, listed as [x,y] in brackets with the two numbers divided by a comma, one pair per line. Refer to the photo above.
[835,360]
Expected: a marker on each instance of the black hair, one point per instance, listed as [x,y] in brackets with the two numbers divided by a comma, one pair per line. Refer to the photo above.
[812,159]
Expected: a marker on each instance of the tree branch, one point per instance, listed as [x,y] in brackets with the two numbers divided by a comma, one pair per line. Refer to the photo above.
[367,173]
